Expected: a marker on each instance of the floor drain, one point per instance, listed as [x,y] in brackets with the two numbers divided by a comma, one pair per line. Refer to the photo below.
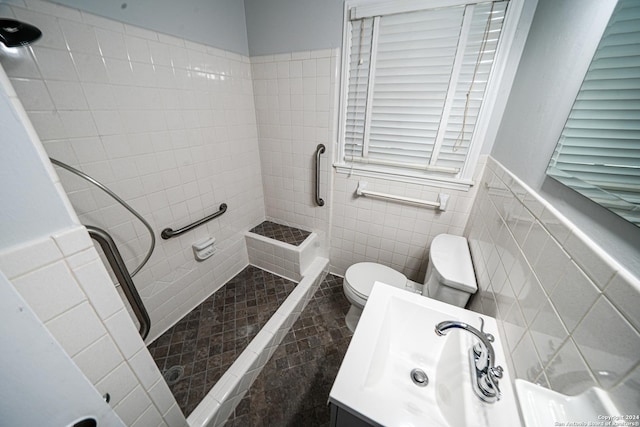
[419,377]
[173,374]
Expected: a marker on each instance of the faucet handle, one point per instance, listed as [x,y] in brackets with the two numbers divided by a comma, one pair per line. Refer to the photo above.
[494,375]
[477,348]
[496,372]
[490,337]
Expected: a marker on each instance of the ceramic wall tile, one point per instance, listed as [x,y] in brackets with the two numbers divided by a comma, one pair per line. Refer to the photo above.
[626,394]
[50,290]
[118,383]
[100,101]
[610,345]
[129,409]
[567,372]
[624,292]
[562,331]
[573,296]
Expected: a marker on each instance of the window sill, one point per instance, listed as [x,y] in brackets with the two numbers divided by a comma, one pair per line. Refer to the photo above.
[407,177]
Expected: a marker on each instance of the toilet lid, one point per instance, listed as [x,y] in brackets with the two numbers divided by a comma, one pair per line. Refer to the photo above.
[450,257]
[363,275]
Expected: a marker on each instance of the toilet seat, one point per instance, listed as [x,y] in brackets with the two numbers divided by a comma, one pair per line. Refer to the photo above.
[360,277]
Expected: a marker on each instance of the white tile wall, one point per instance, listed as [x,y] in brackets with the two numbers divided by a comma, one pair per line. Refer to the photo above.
[391,233]
[55,282]
[294,98]
[567,310]
[167,124]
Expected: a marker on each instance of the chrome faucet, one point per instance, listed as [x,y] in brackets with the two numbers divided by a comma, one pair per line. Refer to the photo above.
[482,359]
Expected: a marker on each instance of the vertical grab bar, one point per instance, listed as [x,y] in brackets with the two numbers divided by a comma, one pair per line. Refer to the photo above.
[319,150]
[122,274]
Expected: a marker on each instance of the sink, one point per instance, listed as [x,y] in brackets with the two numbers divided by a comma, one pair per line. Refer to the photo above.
[542,407]
[395,335]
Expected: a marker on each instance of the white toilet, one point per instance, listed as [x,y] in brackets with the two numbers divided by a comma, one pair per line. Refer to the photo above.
[450,277]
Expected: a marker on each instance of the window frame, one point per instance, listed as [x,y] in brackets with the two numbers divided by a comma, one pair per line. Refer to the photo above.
[488,120]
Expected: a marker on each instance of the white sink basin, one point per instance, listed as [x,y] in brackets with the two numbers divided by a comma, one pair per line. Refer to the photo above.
[542,407]
[396,334]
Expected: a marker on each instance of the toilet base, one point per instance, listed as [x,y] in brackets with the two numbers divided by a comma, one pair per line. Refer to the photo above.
[352,318]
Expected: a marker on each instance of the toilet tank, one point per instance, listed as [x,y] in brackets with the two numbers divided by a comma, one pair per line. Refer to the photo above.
[450,277]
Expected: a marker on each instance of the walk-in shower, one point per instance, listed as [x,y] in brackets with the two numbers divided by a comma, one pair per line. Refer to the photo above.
[172,130]
[19,34]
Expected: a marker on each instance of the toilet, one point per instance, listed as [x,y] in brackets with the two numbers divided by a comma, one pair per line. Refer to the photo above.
[450,277]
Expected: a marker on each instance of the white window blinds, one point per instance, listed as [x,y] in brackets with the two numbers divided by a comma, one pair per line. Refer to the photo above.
[599,150]
[416,81]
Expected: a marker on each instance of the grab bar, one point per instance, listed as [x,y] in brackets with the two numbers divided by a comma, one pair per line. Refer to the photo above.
[122,274]
[119,200]
[168,233]
[440,205]
[319,150]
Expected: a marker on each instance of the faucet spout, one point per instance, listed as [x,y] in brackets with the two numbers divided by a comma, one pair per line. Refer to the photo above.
[487,361]
[487,374]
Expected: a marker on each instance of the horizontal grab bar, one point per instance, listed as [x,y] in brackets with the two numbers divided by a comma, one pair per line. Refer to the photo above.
[440,204]
[168,233]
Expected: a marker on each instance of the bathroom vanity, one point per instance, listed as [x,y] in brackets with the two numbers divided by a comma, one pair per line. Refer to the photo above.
[398,371]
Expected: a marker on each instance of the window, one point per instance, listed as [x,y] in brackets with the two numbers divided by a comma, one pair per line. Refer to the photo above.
[598,154]
[415,84]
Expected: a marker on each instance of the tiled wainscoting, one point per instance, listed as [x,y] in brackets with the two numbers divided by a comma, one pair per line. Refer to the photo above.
[294,99]
[167,124]
[65,283]
[569,313]
[390,233]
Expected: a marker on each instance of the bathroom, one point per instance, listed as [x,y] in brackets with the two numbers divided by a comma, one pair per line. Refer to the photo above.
[228,106]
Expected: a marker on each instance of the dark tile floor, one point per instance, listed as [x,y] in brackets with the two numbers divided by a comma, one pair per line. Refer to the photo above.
[208,340]
[293,388]
[283,233]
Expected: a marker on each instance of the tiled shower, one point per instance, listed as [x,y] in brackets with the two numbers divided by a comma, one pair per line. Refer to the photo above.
[168,124]
[178,127]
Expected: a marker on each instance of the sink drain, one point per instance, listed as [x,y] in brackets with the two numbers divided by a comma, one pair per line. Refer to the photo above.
[173,374]
[419,377]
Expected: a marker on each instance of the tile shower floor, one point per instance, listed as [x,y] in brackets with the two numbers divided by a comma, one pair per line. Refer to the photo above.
[195,352]
[294,385]
[293,388]
[282,233]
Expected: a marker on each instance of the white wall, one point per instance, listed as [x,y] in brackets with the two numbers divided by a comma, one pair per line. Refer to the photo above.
[567,310]
[167,124]
[217,23]
[559,48]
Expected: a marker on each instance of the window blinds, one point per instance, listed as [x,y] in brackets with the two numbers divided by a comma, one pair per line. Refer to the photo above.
[408,79]
[599,149]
